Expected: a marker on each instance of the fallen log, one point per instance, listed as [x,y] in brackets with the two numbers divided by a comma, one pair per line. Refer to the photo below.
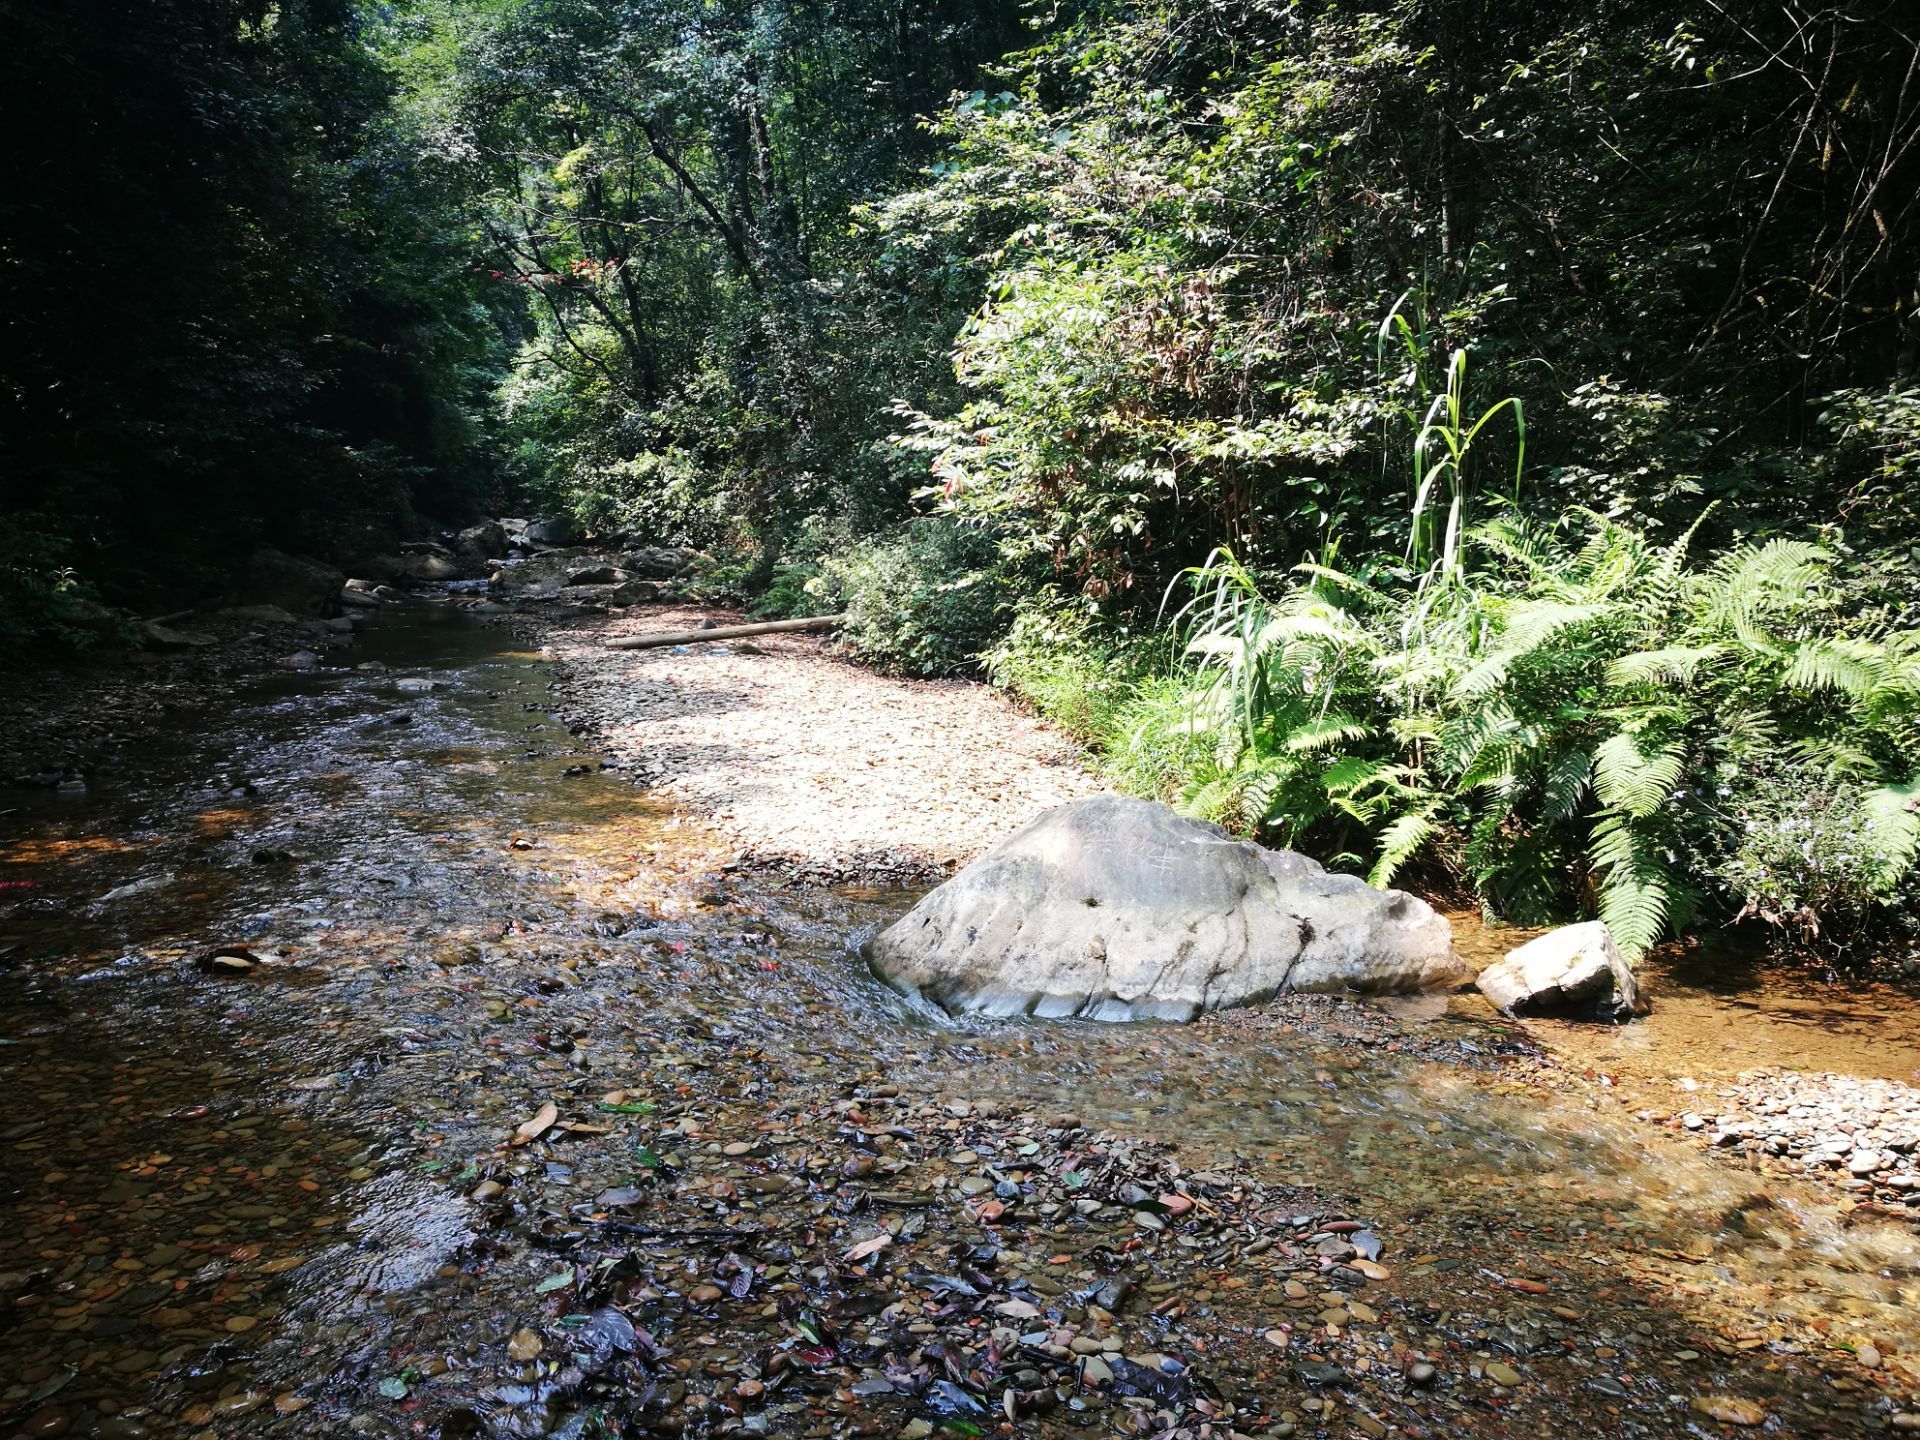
[724,632]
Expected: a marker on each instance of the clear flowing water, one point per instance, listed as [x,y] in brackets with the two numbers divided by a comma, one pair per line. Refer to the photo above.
[245,1203]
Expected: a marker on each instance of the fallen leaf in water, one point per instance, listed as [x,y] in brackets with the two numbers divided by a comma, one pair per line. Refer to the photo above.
[868,1248]
[619,1102]
[1729,1409]
[524,1345]
[542,1121]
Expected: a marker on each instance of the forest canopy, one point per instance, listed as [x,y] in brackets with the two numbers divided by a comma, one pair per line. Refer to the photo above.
[1468,438]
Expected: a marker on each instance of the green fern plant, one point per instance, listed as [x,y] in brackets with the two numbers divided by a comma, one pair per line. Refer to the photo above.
[1571,721]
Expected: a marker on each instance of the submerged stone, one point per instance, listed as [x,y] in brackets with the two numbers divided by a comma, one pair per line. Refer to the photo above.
[1111,908]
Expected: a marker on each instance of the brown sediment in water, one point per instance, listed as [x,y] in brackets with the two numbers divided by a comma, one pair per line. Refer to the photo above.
[1719,1010]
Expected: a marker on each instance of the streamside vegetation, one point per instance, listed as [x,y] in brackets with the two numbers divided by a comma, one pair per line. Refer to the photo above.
[1475,441]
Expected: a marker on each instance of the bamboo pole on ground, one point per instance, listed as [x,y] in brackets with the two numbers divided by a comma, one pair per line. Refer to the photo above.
[724,632]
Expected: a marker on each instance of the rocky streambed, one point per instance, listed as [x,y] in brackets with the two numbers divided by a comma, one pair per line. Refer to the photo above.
[518,1107]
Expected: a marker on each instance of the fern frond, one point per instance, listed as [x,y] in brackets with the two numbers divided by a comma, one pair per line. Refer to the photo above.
[1748,583]
[1663,582]
[1464,738]
[1527,628]
[1324,623]
[1400,842]
[1324,731]
[1632,778]
[1523,547]
[1893,812]
[1635,892]
[1677,664]
[1566,781]
[1856,668]
[1352,773]
[1339,580]
[1834,755]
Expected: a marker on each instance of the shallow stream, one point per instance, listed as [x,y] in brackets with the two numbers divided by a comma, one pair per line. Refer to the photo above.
[257,1202]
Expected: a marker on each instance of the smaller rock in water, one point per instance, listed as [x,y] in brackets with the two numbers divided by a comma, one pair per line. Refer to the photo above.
[292,583]
[165,637]
[1729,1409]
[1577,968]
[133,889]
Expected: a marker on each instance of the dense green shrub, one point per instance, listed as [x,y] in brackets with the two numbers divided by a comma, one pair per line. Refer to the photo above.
[236,311]
[927,599]
[1810,853]
[1062,661]
[1569,719]
[1196,214]
[802,582]
[44,607]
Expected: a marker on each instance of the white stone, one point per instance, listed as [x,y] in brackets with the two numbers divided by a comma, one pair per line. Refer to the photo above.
[1577,967]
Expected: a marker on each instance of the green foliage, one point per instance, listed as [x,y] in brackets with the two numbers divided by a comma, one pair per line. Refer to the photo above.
[669,192]
[1577,719]
[1876,450]
[803,582]
[1059,660]
[1193,216]
[45,608]
[928,599]
[1815,855]
[235,311]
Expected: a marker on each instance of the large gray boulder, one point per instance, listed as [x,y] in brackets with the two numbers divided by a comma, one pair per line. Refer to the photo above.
[296,585]
[415,565]
[1120,909]
[657,562]
[482,542]
[1576,969]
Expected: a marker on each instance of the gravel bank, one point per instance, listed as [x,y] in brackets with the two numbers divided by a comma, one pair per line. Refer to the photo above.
[813,765]
[1863,1135]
